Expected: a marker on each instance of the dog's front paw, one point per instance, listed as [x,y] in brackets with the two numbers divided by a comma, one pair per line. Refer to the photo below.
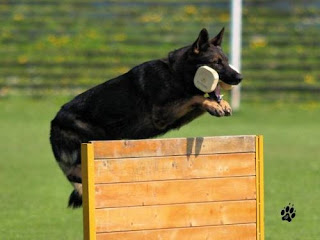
[226,108]
[214,109]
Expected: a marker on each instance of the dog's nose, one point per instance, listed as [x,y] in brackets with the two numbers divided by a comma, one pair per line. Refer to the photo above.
[239,77]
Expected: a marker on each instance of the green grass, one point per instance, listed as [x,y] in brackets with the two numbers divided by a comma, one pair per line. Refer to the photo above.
[34,192]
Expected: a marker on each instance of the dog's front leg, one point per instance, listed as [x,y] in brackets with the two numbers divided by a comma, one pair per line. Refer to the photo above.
[226,107]
[189,117]
[167,114]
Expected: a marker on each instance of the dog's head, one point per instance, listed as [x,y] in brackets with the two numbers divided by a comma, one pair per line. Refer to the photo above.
[204,52]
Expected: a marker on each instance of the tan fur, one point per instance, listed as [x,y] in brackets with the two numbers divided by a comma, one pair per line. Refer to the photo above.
[226,107]
[75,171]
[78,188]
[163,116]
[81,124]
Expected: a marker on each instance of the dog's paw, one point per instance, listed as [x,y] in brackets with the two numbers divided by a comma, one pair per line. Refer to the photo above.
[214,109]
[226,108]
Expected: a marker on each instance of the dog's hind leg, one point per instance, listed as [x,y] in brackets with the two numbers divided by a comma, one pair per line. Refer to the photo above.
[66,148]
[75,199]
[70,164]
[73,173]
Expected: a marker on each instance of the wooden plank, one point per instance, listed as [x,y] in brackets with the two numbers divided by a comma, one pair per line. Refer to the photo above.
[260,187]
[174,167]
[224,232]
[88,194]
[175,216]
[178,191]
[173,147]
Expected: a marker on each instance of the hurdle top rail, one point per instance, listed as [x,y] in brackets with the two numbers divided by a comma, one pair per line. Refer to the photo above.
[174,189]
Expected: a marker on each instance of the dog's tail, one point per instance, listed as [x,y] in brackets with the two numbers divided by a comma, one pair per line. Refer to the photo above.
[75,199]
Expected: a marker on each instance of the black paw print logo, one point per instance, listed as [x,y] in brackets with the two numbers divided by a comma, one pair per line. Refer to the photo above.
[288,213]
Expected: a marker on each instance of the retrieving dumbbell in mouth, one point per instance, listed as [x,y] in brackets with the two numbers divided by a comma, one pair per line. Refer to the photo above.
[207,80]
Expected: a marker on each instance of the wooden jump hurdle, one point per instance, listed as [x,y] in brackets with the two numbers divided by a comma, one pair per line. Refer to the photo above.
[207,188]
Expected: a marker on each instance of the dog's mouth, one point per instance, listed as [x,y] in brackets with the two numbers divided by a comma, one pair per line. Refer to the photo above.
[207,80]
[216,94]
[225,86]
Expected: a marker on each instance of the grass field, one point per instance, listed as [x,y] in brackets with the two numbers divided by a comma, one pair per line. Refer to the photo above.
[34,192]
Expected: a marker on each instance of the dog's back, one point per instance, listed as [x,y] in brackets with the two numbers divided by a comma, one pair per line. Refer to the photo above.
[117,109]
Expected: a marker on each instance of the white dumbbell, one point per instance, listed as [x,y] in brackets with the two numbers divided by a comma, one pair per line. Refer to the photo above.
[206,79]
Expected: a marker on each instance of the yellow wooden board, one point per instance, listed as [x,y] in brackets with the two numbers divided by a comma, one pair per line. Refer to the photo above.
[222,232]
[174,167]
[173,147]
[260,187]
[175,215]
[188,188]
[88,193]
[172,192]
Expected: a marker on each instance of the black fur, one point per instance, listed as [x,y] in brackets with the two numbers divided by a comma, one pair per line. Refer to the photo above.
[75,200]
[149,100]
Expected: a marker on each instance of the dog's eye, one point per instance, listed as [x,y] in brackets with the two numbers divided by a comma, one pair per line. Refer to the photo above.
[218,61]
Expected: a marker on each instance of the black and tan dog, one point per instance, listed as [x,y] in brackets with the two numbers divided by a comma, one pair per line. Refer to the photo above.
[149,100]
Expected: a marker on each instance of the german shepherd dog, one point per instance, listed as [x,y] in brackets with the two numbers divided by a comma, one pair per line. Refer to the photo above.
[147,101]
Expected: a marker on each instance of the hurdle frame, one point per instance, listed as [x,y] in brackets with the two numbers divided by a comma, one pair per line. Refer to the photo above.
[89,201]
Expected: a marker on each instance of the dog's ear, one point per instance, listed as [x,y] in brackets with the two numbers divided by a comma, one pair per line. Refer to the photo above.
[171,57]
[202,42]
[217,40]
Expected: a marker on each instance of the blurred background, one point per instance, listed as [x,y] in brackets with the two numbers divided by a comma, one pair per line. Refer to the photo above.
[51,50]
